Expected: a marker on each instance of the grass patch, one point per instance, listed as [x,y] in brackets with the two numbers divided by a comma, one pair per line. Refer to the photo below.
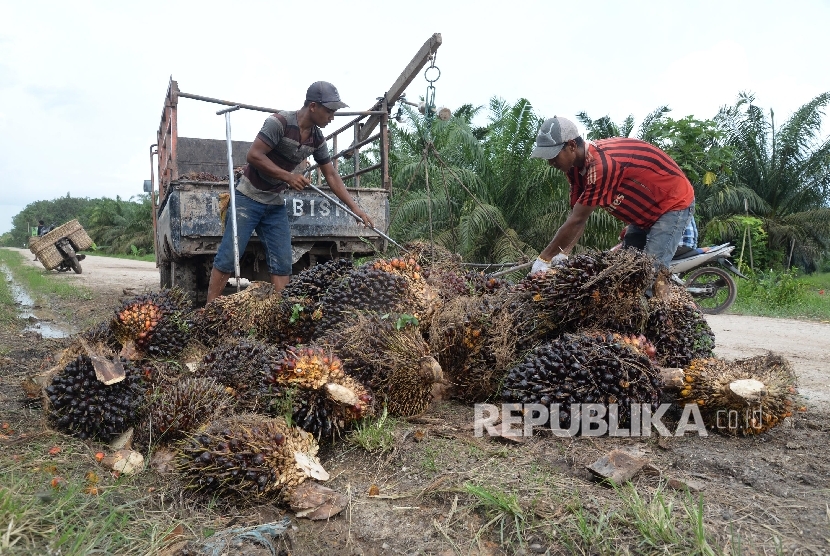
[149,257]
[8,309]
[375,434]
[504,511]
[41,283]
[784,295]
[72,519]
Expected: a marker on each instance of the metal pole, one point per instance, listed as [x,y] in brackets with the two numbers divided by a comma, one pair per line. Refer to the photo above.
[231,188]
[345,208]
[509,270]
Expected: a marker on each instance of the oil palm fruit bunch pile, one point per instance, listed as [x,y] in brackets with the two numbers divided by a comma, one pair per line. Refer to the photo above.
[240,364]
[154,324]
[83,406]
[235,315]
[309,384]
[584,369]
[743,397]
[678,329]
[183,407]
[593,290]
[201,176]
[248,456]
[314,281]
[474,340]
[388,354]
[365,289]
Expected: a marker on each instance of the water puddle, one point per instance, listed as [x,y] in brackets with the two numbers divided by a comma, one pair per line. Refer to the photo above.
[26,311]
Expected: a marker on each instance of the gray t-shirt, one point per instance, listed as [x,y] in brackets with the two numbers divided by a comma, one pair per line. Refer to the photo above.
[281,132]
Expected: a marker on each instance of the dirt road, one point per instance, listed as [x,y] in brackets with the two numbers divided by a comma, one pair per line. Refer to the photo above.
[805,344]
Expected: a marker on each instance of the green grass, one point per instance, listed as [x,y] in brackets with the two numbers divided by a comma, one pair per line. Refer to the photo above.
[784,295]
[504,511]
[150,257]
[37,518]
[41,283]
[8,310]
[375,434]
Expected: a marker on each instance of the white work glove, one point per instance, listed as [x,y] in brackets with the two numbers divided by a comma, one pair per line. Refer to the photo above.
[540,264]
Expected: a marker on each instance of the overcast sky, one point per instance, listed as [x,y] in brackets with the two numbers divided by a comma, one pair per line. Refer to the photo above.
[82,83]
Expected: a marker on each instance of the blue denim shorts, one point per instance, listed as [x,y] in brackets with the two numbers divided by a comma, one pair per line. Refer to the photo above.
[665,235]
[271,225]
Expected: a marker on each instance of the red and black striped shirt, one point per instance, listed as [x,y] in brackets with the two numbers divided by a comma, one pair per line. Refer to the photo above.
[633,180]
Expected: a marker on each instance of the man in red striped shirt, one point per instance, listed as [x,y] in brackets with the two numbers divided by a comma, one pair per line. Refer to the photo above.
[633,180]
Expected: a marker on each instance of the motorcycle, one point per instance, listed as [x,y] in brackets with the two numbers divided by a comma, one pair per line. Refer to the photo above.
[712,287]
[70,259]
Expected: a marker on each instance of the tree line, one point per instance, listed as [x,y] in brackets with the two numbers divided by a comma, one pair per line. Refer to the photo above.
[475,190]
[116,226]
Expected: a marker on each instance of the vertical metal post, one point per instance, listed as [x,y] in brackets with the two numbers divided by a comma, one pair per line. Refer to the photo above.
[153,204]
[356,153]
[386,181]
[231,188]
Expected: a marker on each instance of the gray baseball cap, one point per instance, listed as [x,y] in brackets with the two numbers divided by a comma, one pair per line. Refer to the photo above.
[323,92]
[552,136]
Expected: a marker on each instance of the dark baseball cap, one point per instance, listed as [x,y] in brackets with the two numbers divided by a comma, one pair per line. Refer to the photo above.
[552,136]
[323,92]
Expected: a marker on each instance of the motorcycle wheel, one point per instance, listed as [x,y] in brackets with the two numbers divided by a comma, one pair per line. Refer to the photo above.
[76,266]
[721,289]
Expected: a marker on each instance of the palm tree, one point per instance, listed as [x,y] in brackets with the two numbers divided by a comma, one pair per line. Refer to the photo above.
[487,199]
[120,225]
[788,169]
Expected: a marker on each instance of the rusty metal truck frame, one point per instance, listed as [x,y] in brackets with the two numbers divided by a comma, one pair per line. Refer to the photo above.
[186,225]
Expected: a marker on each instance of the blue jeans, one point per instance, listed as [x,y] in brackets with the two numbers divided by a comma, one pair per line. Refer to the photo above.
[271,225]
[665,235]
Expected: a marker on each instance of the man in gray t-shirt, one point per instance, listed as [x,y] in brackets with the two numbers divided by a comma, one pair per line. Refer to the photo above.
[285,140]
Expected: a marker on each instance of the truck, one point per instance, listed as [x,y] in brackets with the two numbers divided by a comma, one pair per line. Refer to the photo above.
[193,173]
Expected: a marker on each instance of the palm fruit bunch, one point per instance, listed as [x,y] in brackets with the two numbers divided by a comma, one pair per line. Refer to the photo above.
[481,284]
[474,340]
[431,256]
[235,315]
[248,456]
[85,407]
[240,364]
[154,324]
[593,290]
[409,268]
[313,282]
[447,282]
[291,321]
[101,334]
[637,342]
[584,369]
[388,354]
[309,385]
[183,407]
[678,329]
[744,397]
[365,289]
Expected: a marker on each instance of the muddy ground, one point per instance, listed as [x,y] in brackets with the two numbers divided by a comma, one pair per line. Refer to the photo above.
[767,494]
